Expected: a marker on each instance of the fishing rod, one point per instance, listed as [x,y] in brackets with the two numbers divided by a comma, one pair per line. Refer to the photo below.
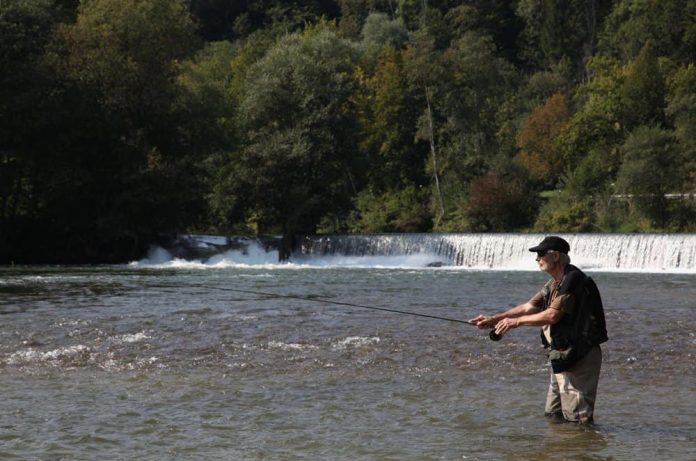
[492,335]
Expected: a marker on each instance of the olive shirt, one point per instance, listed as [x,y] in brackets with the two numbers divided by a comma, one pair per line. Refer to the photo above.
[558,295]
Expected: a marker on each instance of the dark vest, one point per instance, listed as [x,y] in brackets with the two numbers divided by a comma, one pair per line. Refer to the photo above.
[575,334]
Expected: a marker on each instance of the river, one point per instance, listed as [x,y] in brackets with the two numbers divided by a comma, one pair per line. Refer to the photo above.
[165,361]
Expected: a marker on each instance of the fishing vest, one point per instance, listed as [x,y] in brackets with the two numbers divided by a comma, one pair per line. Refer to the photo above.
[575,334]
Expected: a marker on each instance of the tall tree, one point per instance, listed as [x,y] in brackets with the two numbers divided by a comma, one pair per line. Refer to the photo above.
[649,171]
[643,91]
[298,161]
[537,140]
[669,25]
[127,52]
[122,174]
[423,67]
[476,81]
[681,108]
[597,124]
[556,30]
[388,120]
[26,116]
[354,14]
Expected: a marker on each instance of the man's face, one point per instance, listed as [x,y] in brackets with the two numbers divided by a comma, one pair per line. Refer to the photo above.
[546,260]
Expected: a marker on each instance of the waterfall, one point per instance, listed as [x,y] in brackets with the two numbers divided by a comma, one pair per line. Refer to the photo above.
[672,253]
[613,252]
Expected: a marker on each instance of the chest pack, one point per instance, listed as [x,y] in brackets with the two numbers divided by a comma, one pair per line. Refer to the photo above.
[575,334]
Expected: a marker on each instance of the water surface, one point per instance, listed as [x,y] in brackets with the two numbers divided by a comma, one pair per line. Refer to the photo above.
[122,362]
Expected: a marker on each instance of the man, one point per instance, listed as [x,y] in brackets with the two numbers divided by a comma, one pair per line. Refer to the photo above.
[569,310]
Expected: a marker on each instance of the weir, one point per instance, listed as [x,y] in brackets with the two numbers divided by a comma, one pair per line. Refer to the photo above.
[601,252]
[621,252]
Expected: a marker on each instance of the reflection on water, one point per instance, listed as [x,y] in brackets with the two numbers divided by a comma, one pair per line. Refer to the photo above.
[164,363]
[570,441]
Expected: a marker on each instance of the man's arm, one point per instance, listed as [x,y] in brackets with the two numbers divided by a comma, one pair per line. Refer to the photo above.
[548,316]
[526,309]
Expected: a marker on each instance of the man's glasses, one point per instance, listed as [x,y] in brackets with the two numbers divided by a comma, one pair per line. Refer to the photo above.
[541,254]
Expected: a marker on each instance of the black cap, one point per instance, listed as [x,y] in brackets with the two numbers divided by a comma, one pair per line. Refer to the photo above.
[552,243]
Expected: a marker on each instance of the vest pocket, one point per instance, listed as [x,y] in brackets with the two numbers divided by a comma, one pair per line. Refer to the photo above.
[561,360]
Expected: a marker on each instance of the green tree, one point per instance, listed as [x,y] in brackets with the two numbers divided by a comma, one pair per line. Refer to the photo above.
[388,117]
[669,25]
[120,171]
[643,91]
[354,13]
[589,148]
[557,30]
[494,18]
[596,128]
[26,113]
[127,51]
[207,99]
[380,31]
[423,67]
[681,108]
[475,83]
[403,210]
[565,213]
[209,105]
[649,171]
[298,159]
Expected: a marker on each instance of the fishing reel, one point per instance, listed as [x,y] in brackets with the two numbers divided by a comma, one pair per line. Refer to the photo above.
[492,335]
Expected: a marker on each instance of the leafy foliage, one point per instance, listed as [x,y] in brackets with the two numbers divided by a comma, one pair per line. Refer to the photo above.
[681,108]
[298,125]
[499,200]
[402,210]
[122,120]
[669,25]
[537,138]
[649,171]
[643,91]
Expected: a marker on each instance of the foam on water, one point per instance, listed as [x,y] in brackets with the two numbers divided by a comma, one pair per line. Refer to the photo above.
[156,255]
[291,347]
[356,341]
[257,257]
[254,256]
[31,355]
[131,338]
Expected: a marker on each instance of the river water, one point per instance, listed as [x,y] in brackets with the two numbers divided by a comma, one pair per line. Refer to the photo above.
[166,362]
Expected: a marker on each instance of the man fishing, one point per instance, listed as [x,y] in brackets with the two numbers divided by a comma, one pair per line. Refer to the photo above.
[569,310]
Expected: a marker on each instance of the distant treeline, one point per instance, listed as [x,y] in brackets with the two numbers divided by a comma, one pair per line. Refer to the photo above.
[125,120]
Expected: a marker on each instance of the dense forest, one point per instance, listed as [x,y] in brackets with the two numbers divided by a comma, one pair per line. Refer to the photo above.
[122,121]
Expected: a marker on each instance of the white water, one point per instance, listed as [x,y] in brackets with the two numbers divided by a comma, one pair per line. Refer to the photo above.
[253,255]
[605,252]
[654,253]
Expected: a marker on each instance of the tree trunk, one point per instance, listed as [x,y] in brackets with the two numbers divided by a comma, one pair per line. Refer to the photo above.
[431,134]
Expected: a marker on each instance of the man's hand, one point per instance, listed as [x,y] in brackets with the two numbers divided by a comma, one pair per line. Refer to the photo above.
[483,321]
[506,324]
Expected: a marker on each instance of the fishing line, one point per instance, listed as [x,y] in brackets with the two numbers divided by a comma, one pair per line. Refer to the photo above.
[492,335]
[338,303]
